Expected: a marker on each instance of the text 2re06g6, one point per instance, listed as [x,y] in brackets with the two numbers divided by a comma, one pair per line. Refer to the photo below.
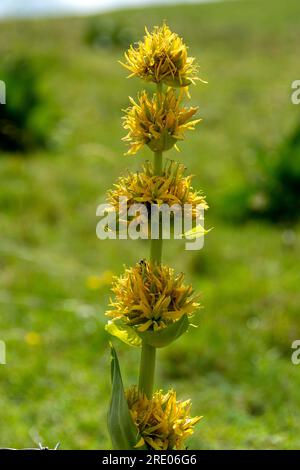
[169,459]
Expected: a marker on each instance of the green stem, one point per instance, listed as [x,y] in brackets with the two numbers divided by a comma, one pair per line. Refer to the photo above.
[157,163]
[156,244]
[156,251]
[148,354]
[147,369]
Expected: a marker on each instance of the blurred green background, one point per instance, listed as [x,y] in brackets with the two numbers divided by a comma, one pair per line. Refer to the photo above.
[61,151]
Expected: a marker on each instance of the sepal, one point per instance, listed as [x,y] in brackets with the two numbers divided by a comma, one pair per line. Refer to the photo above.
[124,332]
[165,336]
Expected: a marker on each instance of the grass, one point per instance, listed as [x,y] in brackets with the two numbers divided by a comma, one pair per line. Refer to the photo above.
[236,365]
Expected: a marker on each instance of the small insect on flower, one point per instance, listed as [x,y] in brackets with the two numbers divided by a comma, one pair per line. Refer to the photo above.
[161,57]
[163,423]
[158,121]
[150,297]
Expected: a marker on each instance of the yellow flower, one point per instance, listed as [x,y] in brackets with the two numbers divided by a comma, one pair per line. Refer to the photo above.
[161,57]
[163,423]
[158,121]
[172,187]
[32,338]
[151,297]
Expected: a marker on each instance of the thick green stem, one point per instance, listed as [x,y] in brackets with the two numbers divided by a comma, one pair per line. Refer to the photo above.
[147,369]
[156,251]
[147,365]
[159,87]
[157,163]
[148,354]
[156,244]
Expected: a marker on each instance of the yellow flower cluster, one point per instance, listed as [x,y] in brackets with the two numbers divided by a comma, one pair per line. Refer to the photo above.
[161,57]
[171,187]
[158,121]
[163,423]
[150,297]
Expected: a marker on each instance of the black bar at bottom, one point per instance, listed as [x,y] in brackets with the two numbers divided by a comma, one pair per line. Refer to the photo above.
[136,459]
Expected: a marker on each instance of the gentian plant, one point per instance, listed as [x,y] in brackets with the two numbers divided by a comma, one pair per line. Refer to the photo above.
[152,305]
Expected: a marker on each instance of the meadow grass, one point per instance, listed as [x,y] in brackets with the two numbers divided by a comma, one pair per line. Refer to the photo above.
[236,366]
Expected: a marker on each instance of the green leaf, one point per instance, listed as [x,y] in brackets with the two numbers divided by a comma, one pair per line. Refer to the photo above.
[161,338]
[125,333]
[123,432]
